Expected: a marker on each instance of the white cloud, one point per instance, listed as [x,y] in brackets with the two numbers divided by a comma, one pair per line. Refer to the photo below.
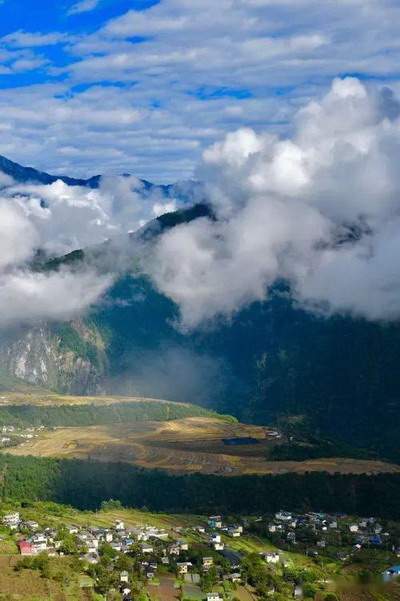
[30,297]
[18,237]
[27,64]
[319,209]
[58,218]
[24,39]
[83,6]
[66,218]
[167,81]
[27,295]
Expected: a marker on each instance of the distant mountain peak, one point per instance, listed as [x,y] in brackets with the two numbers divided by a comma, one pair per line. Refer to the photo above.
[24,175]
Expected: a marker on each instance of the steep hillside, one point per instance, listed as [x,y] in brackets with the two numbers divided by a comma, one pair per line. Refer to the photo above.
[336,377]
[318,378]
[66,357]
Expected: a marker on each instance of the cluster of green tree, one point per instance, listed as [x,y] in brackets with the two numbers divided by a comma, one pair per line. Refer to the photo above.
[91,414]
[85,484]
[71,340]
[278,361]
[106,573]
[314,449]
[267,582]
[50,568]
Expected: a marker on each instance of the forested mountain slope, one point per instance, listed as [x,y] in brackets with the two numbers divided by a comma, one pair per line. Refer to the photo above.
[335,377]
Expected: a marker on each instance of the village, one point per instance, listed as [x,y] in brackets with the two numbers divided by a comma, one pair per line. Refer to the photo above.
[289,554]
[12,435]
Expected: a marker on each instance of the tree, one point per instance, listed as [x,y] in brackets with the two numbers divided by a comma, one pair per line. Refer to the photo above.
[111,505]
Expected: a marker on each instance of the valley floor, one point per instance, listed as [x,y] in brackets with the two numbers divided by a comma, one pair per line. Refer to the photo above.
[195,444]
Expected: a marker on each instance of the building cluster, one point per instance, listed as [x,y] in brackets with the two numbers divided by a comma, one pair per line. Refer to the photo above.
[317,531]
[205,551]
[12,435]
[155,547]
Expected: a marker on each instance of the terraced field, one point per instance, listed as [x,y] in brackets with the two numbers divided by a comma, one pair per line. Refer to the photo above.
[193,444]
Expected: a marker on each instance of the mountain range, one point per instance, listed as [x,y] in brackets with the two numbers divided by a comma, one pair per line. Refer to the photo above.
[323,380]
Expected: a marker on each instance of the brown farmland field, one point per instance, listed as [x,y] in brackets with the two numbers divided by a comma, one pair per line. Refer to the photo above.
[186,445]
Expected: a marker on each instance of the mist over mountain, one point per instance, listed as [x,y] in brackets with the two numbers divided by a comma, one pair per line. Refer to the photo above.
[269,291]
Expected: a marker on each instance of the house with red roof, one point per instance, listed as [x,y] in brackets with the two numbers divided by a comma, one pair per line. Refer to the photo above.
[26,548]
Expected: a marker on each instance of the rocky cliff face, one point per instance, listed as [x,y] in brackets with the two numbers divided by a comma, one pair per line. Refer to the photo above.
[69,358]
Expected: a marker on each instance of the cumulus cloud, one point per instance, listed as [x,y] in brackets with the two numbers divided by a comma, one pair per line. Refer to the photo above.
[30,297]
[56,219]
[319,209]
[66,218]
[27,295]
[18,237]
[254,64]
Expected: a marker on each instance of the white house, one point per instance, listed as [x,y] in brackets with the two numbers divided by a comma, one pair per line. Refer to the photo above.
[272,557]
[174,550]
[213,597]
[235,577]
[208,562]
[32,525]
[283,516]
[215,521]
[12,520]
[183,567]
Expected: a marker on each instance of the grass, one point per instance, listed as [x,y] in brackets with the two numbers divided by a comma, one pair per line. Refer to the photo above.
[28,585]
[45,397]
[255,544]
[11,383]
[45,513]
[192,444]
[8,547]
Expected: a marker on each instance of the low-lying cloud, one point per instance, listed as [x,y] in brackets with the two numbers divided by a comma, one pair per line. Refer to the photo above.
[56,219]
[319,209]
[28,295]
[72,217]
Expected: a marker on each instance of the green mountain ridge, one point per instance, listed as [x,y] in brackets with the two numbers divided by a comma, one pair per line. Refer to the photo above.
[333,378]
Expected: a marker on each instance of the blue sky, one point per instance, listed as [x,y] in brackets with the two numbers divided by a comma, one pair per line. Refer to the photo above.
[110,86]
